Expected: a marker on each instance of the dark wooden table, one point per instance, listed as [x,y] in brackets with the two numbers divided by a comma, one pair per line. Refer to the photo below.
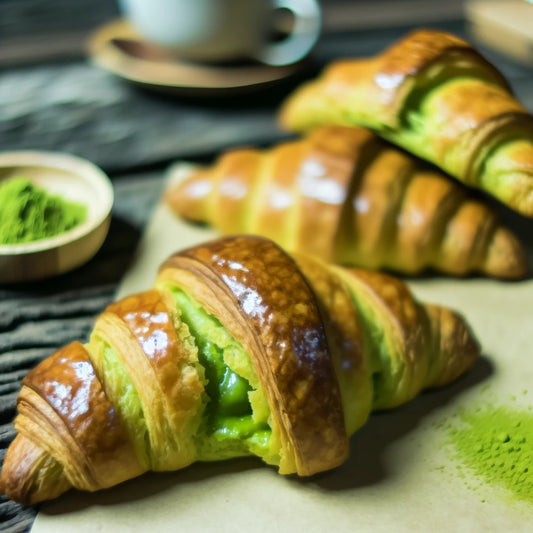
[60,101]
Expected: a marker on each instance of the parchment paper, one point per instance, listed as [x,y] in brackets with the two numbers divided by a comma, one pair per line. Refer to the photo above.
[400,476]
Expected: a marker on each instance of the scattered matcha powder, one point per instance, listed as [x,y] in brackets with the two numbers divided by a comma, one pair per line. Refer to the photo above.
[29,213]
[496,443]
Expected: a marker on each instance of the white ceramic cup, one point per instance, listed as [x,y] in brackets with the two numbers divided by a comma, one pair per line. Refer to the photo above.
[222,30]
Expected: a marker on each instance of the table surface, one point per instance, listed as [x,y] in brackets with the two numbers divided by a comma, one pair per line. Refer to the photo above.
[68,104]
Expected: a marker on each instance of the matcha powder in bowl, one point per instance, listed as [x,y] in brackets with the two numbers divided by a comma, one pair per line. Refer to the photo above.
[29,213]
[55,213]
[496,444]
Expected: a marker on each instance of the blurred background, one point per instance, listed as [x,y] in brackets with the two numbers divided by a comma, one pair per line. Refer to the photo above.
[53,97]
[35,29]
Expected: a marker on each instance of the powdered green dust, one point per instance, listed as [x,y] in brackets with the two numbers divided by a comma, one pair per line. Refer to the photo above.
[496,444]
[29,213]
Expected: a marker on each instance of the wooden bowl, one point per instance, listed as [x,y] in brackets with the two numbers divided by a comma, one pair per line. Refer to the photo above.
[75,179]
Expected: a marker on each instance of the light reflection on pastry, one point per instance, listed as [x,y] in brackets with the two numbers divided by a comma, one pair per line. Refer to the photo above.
[436,96]
[351,198]
[239,349]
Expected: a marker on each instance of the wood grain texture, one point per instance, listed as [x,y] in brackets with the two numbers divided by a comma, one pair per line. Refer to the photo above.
[76,107]
[36,319]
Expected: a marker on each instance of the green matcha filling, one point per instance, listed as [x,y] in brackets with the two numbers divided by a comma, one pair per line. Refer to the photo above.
[380,358]
[416,114]
[126,401]
[230,426]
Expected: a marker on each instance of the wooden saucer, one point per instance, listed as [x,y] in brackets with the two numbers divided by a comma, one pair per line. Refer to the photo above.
[117,48]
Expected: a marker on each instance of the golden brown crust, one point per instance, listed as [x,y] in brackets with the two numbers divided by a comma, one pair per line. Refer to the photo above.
[164,369]
[194,208]
[387,79]
[348,197]
[317,337]
[232,212]
[346,339]
[418,52]
[261,297]
[32,474]
[273,190]
[426,345]
[413,52]
[405,328]
[439,98]
[455,344]
[153,323]
[329,176]
[62,400]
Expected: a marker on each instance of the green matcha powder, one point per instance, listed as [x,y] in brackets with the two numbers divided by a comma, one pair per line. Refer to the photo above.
[496,443]
[29,213]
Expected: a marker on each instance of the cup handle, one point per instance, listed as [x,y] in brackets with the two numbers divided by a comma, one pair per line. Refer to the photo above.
[304,34]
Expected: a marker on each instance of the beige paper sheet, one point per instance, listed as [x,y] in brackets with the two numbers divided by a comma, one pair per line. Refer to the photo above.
[399,477]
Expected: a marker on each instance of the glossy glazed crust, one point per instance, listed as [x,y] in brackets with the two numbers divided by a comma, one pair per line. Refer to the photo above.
[143,330]
[262,299]
[63,408]
[388,79]
[278,190]
[349,197]
[308,328]
[348,345]
[416,51]
[385,81]
[436,96]
[427,345]
[403,327]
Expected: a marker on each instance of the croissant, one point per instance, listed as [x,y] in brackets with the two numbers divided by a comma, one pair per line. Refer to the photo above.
[436,96]
[351,198]
[238,349]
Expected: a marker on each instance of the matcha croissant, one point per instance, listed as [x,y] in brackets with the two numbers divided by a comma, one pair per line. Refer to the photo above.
[351,198]
[238,349]
[436,96]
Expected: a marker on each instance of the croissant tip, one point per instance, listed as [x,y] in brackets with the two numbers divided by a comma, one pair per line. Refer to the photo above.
[459,346]
[506,257]
[187,198]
